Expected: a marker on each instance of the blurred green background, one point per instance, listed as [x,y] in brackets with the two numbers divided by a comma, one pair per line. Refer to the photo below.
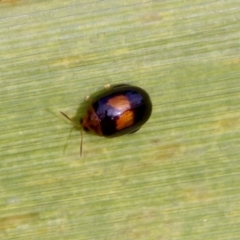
[175,179]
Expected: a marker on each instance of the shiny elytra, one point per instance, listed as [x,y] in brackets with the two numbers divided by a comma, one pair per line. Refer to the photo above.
[120,110]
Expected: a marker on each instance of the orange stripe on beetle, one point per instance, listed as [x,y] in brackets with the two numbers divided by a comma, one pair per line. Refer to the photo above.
[125,120]
[120,103]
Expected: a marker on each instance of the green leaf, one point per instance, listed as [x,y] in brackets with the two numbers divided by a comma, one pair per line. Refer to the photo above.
[177,178]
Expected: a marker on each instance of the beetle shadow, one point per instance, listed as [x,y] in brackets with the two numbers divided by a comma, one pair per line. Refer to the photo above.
[83,107]
[79,114]
[75,122]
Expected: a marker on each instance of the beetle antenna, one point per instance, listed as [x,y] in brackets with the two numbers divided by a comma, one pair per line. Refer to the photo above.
[76,125]
[73,123]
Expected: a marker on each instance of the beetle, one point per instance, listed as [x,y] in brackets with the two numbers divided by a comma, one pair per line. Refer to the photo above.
[120,110]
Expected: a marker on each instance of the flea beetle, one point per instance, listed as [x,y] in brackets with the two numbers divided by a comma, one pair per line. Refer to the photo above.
[120,110]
